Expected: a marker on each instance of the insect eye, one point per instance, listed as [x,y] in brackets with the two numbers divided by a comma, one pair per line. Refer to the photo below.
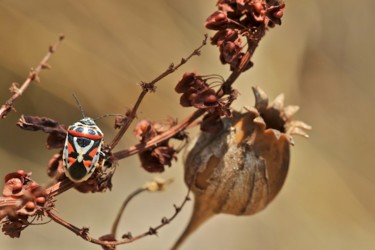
[79,129]
[91,132]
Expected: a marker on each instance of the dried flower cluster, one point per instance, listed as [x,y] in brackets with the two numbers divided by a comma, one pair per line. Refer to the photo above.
[26,199]
[156,158]
[237,164]
[240,18]
[197,92]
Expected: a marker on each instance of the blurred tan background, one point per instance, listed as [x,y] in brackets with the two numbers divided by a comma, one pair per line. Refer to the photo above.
[321,58]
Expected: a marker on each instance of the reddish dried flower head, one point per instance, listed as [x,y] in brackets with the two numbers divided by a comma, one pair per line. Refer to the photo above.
[156,158]
[192,86]
[240,60]
[259,7]
[15,183]
[188,80]
[20,174]
[201,95]
[187,98]
[144,131]
[229,51]
[40,200]
[205,99]
[221,36]
[25,198]
[248,18]
[13,226]
[30,206]
[198,93]
[217,21]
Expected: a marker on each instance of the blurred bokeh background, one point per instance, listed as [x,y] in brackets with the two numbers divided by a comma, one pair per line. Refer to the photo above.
[321,58]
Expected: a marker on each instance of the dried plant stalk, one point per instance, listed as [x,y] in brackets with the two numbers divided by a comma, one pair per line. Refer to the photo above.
[34,75]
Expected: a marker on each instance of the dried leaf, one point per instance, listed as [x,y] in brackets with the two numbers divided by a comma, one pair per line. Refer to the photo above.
[57,132]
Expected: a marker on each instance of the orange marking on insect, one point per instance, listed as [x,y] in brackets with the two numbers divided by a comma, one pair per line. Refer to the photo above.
[85,135]
[87,164]
[93,152]
[70,148]
[71,160]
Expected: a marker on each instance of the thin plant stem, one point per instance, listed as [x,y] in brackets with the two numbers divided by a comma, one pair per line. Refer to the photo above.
[34,75]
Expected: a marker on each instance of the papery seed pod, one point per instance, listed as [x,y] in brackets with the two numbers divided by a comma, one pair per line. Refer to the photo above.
[240,169]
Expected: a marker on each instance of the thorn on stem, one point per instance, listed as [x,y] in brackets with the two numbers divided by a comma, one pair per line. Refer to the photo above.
[205,39]
[148,87]
[152,231]
[165,220]
[128,236]
[178,209]
[46,66]
[32,74]
[15,88]
[84,232]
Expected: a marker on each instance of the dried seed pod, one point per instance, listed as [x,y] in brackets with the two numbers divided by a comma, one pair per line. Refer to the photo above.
[241,169]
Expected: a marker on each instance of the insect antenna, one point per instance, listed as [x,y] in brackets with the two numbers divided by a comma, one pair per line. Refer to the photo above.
[106,115]
[79,105]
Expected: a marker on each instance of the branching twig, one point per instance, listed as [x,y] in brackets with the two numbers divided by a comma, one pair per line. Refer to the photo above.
[82,232]
[34,75]
[159,138]
[154,186]
[127,238]
[153,230]
[187,121]
[224,89]
[150,87]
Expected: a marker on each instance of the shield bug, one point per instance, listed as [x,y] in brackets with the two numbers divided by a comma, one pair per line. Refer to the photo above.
[82,148]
